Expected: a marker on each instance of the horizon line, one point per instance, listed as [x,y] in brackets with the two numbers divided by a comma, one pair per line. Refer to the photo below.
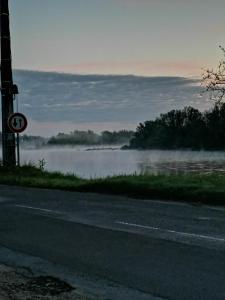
[194,77]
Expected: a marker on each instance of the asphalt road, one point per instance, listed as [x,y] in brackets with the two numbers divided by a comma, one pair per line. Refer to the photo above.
[169,250]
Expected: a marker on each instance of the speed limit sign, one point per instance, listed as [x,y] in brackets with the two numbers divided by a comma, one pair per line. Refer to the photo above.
[17,123]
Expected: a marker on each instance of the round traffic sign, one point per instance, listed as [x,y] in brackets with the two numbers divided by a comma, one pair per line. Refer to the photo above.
[17,122]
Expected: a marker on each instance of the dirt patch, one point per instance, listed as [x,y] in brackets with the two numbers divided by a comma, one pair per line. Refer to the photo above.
[21,284]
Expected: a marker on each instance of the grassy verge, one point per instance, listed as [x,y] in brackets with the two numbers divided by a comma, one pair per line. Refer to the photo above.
[208,189]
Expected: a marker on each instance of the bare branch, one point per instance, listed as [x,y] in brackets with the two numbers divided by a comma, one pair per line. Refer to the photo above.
[214,80]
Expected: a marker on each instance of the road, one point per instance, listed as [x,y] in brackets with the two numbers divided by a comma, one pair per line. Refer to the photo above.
[168,250]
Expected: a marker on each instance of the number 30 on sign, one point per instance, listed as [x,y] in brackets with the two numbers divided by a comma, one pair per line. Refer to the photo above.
[17,123]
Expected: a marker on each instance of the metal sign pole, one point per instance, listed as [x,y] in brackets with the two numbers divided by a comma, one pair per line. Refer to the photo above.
[18,148]
[17,135]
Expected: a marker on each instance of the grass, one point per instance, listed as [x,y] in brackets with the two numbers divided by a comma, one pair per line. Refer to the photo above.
[209,189]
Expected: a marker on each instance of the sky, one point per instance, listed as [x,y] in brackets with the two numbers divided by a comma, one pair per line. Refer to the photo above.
[163,45]
[140,37]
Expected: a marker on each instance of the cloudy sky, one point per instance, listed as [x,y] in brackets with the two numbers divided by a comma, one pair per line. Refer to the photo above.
[163,44]
[64,102]
[142,37]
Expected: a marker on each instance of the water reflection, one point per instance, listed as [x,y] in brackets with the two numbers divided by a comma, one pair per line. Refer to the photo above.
[107,162]
[185,167]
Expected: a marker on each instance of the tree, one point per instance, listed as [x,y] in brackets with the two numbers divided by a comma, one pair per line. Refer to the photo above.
[214,80]
[183,129]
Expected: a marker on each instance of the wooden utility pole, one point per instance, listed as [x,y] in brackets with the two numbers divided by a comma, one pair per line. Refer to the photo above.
[8,89]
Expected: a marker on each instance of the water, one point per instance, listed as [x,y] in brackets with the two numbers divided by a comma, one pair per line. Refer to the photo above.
[105,162]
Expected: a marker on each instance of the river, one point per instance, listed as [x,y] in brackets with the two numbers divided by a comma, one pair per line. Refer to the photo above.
[89,162]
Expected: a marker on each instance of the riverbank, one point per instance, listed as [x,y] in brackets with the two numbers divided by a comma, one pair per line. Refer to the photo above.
[196,188]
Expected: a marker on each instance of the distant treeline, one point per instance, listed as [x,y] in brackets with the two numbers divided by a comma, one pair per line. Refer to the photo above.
[178,129]
[186,128]
[91,138]
[30,141]
[77,138]
[33,141]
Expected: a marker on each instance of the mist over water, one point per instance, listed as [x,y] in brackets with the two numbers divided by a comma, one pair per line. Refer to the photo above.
[92,162]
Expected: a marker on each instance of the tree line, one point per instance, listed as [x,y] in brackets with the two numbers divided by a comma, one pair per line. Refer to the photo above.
[78,137]
[91,138]
[187,128]
[182,129]
[30,140]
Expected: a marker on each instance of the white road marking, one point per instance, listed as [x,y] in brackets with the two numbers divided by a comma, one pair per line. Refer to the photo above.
[193,235]
[203,218]
[37,208]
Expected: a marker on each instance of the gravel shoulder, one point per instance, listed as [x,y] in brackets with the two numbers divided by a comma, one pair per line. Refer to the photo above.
[21,284]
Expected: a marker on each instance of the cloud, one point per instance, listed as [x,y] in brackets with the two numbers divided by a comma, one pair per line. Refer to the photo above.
[54,98]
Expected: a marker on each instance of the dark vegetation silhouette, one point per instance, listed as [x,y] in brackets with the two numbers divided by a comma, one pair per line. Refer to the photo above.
[91,138]
[182,129]
[78,137]
[189,128]
[178,129]
[30,140]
